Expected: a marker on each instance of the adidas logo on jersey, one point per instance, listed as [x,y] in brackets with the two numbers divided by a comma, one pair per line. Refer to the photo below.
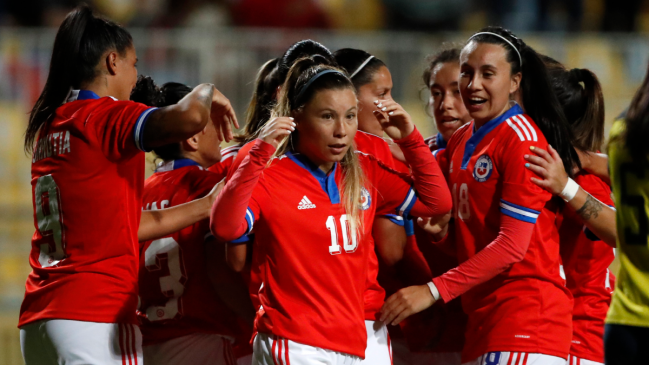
[305,203]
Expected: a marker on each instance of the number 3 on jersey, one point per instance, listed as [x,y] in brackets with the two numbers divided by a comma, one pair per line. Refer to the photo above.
[462,210]
[48,216]
[172,285]
[350,243]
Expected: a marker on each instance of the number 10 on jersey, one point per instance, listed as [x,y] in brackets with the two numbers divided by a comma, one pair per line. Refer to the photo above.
[350,243]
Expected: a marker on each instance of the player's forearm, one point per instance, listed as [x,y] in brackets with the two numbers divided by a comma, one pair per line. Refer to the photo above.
[178,122]
[427,176]
[228,218]
[597,216]
[159,223]
[235,255]
[507,249]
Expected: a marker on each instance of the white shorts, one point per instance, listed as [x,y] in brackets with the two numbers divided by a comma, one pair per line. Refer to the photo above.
[379,349]
[437,358]
[574,360]
[61,341]
[194,349]
[517,358]
[272,350]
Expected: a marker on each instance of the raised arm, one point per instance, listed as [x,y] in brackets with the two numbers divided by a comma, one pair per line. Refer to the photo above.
[159,223]
[434,198]
[596,216]
[230,218]
[189,116]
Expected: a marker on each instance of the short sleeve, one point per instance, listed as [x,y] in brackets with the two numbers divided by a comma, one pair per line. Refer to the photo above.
[119,127]
[521,198]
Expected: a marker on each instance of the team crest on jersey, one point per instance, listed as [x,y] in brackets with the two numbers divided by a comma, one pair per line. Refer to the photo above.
[483,168]
[366,200]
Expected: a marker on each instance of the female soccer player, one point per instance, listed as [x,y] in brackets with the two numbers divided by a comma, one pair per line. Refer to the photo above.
[441,78]
[517,305]
[585,257]
[436,336]
[373,81]
[627,324]
[312,207]
[86,140]
[189,299]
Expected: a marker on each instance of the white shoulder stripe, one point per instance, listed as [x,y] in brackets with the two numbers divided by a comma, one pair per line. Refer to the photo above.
[228,155]
[520,135]
[523,128]
[527,122]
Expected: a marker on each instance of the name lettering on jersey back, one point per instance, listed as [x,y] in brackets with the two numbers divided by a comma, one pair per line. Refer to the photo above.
[154,206]
[53,144]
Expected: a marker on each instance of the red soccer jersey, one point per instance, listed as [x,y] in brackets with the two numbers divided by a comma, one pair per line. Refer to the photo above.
[375,295]
[87,174]
[585,261]
[526,308]
[228,155]
[177,297]
[302,201]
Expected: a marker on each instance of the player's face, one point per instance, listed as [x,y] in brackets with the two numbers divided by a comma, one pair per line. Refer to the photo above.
[486,81]
[379,88]
[326,126]
[209,146]
[445,99]
[126,73]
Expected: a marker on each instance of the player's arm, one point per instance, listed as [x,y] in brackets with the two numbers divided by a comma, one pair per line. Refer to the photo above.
[508,248]
[229,285]
[159,223]
[231,216]
[189,116]
[434,198]
[596,216]
[596,164]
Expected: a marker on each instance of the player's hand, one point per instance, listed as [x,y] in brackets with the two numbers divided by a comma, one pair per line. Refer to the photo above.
[549,167]
[276,129]
[395,121]
[223,116]
[406,302]
[436,227]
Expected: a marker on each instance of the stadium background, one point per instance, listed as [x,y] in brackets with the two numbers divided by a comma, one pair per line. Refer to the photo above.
[225,41]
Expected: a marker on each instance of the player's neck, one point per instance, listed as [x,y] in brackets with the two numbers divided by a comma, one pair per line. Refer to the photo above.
[100,86]
[196,157]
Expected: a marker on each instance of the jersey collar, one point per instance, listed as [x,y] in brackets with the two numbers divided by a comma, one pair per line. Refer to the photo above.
[176,164]
[439,141]
[478,135]
[327,181]
[83,95]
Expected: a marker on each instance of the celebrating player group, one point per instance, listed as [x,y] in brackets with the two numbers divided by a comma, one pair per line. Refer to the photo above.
[332,232]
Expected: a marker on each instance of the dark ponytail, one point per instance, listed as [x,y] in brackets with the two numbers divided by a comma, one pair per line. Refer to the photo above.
[351,59]
[637,123]
[539,100]
[82,39]
[301,49]
[583,106]
[262,101]
[148,93]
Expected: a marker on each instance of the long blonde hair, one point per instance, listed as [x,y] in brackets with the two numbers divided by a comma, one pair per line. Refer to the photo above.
[288,104]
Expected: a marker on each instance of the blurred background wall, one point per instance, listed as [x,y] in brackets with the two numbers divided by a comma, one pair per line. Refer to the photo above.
[225,41]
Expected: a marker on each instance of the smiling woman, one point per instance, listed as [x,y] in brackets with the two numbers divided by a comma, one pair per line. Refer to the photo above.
[504,228]
[312,208]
